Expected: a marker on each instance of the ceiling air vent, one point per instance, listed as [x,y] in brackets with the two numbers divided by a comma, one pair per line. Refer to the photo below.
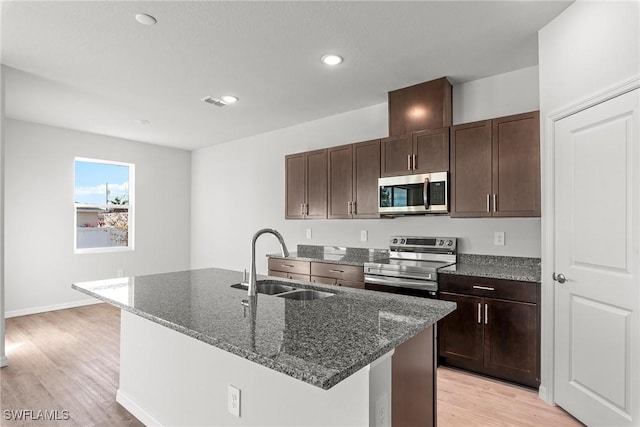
[215,101]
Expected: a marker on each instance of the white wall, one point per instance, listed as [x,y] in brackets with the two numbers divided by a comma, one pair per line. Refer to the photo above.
[238,188]
[496,96]
[3,357]
[589,48]
[39,164]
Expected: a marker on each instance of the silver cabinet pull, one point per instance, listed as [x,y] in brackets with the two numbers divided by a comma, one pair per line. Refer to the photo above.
[408,162]
[287,265]
[414,161]
[479,313]
[301,208]
[349,207]
[486,314]
[306,209]
[495,202]
[353,208]
[488,203]
[559,278]
[484,288]
[336,271]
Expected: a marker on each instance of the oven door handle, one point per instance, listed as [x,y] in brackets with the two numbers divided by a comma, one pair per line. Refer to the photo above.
[401,283]
[425,194]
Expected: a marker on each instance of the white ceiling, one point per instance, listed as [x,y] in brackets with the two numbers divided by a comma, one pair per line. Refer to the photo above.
[90,66]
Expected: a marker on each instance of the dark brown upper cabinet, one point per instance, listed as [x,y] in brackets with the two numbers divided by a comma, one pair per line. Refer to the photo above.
[419,107]
[495,167]
[420,152]
[353,172]
[306,185]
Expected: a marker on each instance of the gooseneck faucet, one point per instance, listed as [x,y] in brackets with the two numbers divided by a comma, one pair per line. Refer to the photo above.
[252,273]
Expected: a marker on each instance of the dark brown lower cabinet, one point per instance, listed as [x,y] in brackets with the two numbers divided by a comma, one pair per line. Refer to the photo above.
[413,381]
[497,335]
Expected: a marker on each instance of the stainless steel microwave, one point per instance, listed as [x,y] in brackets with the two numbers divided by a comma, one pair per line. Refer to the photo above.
[414,194]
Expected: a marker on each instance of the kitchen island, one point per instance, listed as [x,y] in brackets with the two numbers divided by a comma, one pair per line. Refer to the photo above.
[187,336]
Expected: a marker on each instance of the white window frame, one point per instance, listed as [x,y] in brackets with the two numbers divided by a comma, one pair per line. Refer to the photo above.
[131,209]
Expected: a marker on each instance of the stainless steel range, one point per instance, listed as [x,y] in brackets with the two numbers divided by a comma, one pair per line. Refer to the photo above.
[411,268]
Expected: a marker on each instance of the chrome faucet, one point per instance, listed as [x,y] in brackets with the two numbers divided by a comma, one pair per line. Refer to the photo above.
[252,273]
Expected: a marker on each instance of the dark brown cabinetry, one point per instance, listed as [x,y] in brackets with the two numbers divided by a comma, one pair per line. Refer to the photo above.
[422,106]
[353,172]
[495,329]
[351,276]
[495,167]
[420,152]
[337,274]
[306,185]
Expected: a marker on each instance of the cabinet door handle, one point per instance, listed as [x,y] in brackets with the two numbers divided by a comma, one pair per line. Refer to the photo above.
[486,314]
[495,202]
[349,207]
[484,288]
[414,162]
[488,202]
[479,312]
[336,271]
[287,265]
[408,162]
[306,209]
[301,208]
[353,208]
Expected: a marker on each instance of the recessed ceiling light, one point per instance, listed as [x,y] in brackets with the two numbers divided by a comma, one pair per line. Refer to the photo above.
[142,122]
[229,99]
[145,19]
[331,59]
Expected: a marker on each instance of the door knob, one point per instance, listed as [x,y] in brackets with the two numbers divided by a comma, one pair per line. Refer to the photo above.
[559,278]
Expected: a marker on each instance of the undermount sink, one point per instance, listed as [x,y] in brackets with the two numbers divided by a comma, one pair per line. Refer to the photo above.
[267,287]
[279,289]
[305,295]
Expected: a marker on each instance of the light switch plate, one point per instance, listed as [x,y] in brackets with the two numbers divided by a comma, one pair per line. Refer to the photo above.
[364,235]
[498,238]
[308,233]
[233,402]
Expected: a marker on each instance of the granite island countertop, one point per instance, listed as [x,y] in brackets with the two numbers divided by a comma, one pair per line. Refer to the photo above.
[320,342]
[495,267]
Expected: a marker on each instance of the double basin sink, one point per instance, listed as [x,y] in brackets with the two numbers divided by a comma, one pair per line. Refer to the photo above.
[279,289]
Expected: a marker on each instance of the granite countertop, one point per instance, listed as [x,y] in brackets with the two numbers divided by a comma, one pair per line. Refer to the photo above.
[335,255]
[496,267]
[320,342]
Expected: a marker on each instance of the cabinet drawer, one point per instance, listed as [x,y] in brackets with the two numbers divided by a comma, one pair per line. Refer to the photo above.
[492,288]
[350,273]
[289,266]
[323,280]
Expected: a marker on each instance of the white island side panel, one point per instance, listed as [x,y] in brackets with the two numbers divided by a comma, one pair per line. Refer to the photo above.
[170,379]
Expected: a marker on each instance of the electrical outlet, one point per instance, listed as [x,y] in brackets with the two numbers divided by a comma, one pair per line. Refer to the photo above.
[498,238]
[120,272]
[364,235]
[308,233]
[233,403]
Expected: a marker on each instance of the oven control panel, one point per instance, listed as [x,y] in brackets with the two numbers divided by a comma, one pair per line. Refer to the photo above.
[423,243]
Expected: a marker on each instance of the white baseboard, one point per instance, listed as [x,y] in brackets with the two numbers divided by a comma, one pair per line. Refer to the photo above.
[54,307]
[143,416]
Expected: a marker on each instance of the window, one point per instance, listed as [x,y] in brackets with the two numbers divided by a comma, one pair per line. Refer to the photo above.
[103,195]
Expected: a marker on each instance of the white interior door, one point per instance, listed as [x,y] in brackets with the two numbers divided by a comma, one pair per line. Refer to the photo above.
[597,239]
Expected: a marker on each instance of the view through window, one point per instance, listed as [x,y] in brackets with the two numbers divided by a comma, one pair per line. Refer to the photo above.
[103,195]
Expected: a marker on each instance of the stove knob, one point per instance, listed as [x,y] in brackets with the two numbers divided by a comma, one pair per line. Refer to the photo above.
[402,241]
[395,241]
[440,242]
[449,242]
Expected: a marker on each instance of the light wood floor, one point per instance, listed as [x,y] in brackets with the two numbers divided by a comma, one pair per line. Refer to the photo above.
[69,360]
